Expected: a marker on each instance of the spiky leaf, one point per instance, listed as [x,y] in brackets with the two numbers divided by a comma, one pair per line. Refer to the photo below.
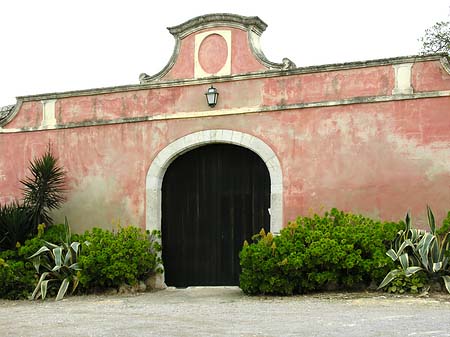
[404,261]
[35,294]
[57,253]
[424,248]
[446,279]
[404,245]
[75,246]
[392,275]
[76,281]
[44,286]
[63,289]
[75,266]
[437,266]
[391,253]
[40,251]
[50,245]
[431,221]
[407,222]
[412,270]
[44,190]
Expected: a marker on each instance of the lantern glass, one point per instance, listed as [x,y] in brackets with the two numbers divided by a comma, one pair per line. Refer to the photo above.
[212,96]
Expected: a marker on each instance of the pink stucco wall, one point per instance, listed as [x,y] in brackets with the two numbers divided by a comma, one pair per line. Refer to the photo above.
[242,59]
[366,158]
[379,158]
[266,92]
[429,76]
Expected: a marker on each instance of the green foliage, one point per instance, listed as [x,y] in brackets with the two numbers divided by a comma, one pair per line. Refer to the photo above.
[413,284]
[17,276]
[338,250]
[55,234]
[44,190]
[114,258]
[59,263]
[14,225]
[437,38]
[263,271]
[417,250]
[445,228]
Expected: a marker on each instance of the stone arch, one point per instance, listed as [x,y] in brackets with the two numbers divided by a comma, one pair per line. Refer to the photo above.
[191,141]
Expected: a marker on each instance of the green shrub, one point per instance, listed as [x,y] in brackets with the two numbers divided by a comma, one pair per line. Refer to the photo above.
[445,228]
[263,268]
[54,234]
[15,226]
[413,284]
[338,250]
[112,259]
[17,276]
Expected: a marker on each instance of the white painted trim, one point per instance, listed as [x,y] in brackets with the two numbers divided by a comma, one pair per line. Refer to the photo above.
[191,141]
[402,73]
[48,112]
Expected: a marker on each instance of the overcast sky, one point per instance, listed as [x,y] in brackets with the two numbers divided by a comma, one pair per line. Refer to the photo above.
[60,45]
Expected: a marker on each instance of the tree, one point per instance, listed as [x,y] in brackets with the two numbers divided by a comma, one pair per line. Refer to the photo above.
[45,189]
[436,38]
[43,192]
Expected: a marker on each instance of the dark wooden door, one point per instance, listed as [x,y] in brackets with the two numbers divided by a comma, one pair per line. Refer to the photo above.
[213,198]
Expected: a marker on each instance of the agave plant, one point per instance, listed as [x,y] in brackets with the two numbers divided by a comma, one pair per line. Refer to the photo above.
[59,264]
[418,250]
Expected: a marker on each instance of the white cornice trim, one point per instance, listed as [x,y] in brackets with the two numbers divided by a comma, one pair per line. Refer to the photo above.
[218,20]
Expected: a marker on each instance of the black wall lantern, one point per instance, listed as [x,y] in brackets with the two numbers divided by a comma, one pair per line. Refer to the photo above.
[211,96]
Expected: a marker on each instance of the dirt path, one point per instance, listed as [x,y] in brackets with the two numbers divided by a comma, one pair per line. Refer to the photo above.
[228,312]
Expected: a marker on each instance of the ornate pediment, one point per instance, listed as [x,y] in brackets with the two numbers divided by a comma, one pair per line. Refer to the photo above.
[217,45]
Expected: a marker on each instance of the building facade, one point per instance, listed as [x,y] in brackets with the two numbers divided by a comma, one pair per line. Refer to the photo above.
[370,137]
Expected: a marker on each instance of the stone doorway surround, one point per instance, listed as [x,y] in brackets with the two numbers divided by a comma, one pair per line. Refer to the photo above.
[166,156]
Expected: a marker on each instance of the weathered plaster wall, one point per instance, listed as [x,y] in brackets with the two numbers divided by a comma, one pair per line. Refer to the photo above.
[370,137]
[30,115]
[266,92]
[378,159]
[371,159]
[427,76]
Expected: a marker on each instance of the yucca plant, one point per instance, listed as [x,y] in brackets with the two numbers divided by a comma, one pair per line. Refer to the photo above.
[45,189]
[418,250]
[57,263]
[14,225]
[43,192]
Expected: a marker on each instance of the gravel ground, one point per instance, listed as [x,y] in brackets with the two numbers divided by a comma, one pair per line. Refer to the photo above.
[226,311]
